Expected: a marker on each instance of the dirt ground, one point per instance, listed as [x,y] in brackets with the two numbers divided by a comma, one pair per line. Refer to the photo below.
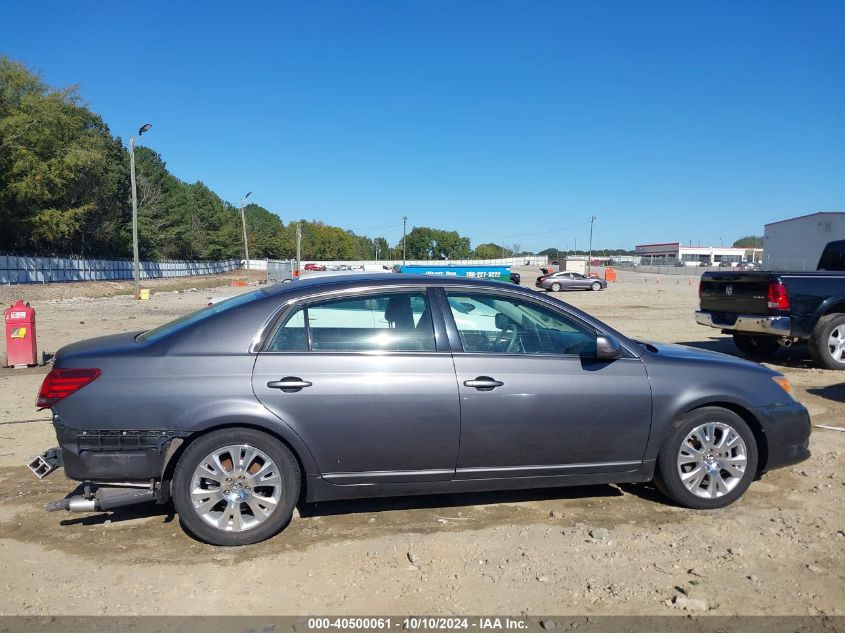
[591,550]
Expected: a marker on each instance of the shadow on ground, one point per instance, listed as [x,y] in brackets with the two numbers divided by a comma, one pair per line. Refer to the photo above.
[795,357]
[386,504]
[456,500]
[831,392]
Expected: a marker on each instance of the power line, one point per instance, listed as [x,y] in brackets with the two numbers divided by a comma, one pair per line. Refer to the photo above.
[563,228]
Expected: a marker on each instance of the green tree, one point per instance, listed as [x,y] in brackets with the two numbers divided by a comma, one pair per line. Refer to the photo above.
[749,241]
[60,171]
[491,251]
[427,243]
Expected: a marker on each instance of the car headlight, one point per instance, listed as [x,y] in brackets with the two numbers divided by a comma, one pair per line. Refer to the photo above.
[783,383]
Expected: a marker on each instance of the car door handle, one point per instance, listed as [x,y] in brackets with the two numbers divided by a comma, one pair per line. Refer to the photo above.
[484,383]
[289,383]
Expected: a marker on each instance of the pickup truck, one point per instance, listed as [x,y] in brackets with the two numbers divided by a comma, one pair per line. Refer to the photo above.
[766,310]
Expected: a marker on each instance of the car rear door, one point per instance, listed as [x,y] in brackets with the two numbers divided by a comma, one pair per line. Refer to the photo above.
[534,399]
[365,383]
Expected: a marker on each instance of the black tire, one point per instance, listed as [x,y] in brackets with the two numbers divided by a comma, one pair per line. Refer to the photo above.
[819,343]
[555,287]
[181,486]
[668,478]
[756,346]
[596,285]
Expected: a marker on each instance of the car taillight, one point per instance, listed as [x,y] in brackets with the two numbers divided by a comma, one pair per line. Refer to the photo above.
[700,288]
[778,297]
[60,383]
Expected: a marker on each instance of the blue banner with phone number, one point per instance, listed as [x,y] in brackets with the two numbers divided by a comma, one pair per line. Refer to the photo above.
[496,273]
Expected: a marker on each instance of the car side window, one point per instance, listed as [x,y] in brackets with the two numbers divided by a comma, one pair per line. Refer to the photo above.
[396,321]
[508,325]
[292,335]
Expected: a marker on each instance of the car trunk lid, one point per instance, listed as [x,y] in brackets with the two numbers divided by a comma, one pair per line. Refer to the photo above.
[735,292]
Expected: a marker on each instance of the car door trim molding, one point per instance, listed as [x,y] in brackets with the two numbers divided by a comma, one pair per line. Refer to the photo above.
[550,470]
[387,476]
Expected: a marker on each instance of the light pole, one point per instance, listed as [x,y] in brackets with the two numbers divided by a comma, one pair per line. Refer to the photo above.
[246,241]
[590,256]
[404,228]
[136,269]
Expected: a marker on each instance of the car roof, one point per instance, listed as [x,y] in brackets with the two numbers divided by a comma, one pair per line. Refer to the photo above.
[317,283]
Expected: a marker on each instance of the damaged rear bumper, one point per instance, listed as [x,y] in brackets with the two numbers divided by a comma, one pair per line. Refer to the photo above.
[118,467]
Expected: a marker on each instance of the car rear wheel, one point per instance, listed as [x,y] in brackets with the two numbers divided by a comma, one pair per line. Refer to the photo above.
[756,346]
[555,287]
[235,487]
[596,285]
[709,459]
[827,345]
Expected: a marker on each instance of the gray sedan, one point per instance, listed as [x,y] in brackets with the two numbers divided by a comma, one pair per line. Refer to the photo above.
[569,280]
[371,385]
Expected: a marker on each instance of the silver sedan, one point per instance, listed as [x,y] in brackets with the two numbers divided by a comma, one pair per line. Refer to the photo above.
[569,280]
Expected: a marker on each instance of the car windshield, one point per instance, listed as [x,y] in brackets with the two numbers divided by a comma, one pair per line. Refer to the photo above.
[194,317]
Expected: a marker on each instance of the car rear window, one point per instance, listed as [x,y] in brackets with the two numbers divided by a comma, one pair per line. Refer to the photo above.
[195,317]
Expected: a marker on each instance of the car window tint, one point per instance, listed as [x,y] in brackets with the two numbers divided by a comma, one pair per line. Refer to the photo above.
[292,335]
[497,324]
[399,321]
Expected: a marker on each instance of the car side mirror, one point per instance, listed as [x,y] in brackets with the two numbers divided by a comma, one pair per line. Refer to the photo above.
[607,347]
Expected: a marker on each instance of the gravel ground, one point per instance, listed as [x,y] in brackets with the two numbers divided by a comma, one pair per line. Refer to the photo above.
[592,550]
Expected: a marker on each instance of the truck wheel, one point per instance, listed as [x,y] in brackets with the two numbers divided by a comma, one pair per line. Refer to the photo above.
[827,345]
[555,287]
[708,460]
[756,346]
[235,487]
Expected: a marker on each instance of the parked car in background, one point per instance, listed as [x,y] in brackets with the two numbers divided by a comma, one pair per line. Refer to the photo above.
[768,310]
[352,386]
[312,266]
[569,280]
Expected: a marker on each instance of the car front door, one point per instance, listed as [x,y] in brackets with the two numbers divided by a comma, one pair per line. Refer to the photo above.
[362,380]
[580,282]
[535,400]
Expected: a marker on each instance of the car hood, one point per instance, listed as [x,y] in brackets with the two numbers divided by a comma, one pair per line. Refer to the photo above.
[685,353]
[113,343]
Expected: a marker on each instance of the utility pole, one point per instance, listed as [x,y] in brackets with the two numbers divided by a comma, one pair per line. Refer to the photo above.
[136,270]
[590,256]
[404,229]
[298,246]
[246,241]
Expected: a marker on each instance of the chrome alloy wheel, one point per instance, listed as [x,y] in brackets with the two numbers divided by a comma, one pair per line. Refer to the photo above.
[712,460]
[836,344]
[236,488]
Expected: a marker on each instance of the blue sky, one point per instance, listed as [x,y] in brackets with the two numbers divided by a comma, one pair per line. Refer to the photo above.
[511,122]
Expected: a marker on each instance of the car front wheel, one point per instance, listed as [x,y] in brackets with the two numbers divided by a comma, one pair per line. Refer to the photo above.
[596,285]
[235,487]
[709,459]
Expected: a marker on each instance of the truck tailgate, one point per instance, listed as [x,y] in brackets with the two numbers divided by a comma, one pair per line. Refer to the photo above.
[735,292]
